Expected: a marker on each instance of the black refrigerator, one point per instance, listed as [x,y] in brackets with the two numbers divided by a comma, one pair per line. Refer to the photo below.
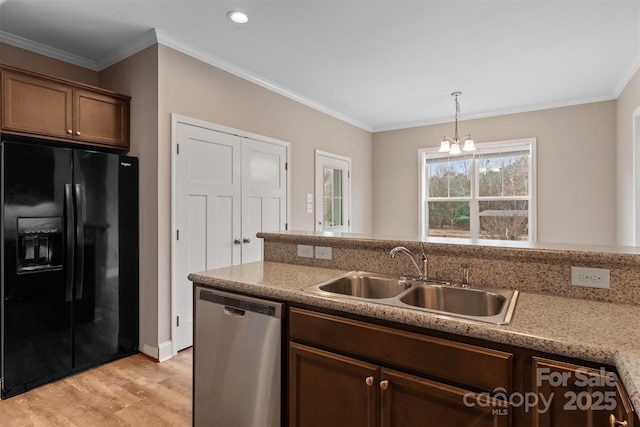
[69,261]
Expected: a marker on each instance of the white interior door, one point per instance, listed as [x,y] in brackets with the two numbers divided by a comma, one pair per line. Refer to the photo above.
[333,192]
[208,169]
[227,188]
[264,194]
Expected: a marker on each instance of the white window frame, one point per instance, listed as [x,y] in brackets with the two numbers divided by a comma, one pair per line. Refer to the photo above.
[498,147]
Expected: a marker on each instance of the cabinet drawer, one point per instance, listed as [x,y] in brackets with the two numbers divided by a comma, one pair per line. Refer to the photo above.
[474,366]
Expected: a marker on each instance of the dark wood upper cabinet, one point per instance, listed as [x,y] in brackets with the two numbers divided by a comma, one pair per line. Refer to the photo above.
[47,107]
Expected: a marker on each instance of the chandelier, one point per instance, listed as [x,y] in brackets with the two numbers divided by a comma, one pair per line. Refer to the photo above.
[452,145]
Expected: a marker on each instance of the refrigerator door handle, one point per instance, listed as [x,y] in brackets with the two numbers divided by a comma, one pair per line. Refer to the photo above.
[70,264]
[79,196]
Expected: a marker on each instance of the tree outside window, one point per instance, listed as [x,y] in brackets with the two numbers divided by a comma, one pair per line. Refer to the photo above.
[486,195]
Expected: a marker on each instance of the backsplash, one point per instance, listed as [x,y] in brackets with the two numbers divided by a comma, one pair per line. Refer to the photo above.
[538,269]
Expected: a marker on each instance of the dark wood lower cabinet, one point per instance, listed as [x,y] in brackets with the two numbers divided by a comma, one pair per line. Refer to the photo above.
[347,372]
[407,400]
[327,389]
[572,395]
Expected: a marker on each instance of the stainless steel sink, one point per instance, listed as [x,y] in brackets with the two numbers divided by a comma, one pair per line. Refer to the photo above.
[470,302]
[485,305]
[366,286]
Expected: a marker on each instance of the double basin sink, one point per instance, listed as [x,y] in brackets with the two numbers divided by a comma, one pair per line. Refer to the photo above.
[485,305]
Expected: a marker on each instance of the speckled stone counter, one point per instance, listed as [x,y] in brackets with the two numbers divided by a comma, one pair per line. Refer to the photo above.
[530,267]
[597,331]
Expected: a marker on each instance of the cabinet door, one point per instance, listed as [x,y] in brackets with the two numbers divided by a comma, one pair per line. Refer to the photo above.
[407,400]
[101,119]
[326,389]
[36,106]
[573,395]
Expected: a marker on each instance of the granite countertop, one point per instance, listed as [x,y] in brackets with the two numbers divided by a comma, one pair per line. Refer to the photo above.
[596,331]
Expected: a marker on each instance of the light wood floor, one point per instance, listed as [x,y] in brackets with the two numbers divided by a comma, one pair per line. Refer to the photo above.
[135,391]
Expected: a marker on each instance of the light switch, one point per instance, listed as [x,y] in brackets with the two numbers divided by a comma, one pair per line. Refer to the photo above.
[309,203]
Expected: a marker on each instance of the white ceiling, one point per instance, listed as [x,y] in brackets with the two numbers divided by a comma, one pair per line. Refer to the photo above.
[380,65]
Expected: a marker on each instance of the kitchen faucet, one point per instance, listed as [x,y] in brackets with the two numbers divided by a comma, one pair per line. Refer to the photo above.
[422,272]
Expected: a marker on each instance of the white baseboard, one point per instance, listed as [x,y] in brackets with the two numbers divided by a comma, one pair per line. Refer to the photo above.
[165,351]
[162,353]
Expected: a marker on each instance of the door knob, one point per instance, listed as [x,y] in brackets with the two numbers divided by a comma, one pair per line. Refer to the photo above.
[237,242]
[246,240]
[384,384]
[369,381]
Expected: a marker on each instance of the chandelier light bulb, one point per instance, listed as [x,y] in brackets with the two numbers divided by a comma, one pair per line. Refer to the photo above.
[468,145]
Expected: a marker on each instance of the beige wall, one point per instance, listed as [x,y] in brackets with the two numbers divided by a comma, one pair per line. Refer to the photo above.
[137,76]
[627,103]
[576,180]
[216,96]
[192,88]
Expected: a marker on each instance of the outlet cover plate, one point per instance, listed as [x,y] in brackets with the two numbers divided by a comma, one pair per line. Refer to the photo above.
[590,277]
[323,252]
[305,251]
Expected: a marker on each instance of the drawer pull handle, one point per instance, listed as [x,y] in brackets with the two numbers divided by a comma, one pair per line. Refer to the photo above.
[613,422]
[384,384]
[369,381]
[78,133]
[69,131]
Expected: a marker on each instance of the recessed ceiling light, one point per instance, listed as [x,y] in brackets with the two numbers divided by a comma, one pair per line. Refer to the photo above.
[238,17]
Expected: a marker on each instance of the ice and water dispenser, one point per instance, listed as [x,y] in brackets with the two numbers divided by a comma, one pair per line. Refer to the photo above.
[40,244]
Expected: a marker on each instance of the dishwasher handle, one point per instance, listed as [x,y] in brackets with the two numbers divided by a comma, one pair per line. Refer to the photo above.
[232,311]
[238,305]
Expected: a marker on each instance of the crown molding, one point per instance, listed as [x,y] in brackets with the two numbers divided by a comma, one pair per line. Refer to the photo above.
[144,41]
[633,67]
[516,110]
[217,62]
[49,51]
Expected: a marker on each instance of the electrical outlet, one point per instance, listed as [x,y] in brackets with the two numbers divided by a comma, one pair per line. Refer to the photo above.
[323,252]
[305,251]
[590,277]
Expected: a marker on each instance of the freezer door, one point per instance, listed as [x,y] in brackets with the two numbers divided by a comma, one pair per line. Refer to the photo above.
[36,305]
[106,290]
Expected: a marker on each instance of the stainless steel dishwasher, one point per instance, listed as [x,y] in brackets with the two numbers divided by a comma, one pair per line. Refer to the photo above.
[236,360]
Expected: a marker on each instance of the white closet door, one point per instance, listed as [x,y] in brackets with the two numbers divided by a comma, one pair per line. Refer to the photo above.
[209,189]
[264,194]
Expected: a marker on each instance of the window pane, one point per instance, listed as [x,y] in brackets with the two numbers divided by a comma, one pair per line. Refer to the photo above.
[449,219]
[504,176]
[450,179]
[508,220]
[332,197]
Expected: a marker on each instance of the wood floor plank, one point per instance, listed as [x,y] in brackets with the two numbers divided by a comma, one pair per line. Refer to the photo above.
[135,391]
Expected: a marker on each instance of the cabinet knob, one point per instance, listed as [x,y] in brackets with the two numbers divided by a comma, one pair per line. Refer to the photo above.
[246,240]
[78,133]
[613,422]
[69,131]
[369,381]
[237,242]
[384,384]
